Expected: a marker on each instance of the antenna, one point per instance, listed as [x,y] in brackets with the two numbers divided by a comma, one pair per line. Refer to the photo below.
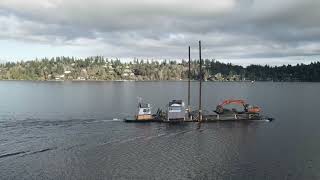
[139,100]
[200,87]
[189,77]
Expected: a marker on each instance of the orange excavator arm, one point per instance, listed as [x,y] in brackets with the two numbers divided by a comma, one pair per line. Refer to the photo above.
[250,109]
[233,101]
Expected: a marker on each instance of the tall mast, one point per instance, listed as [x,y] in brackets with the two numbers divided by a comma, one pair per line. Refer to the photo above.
[200,87]
[189,77]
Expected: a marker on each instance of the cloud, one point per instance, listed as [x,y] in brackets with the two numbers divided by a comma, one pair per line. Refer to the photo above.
[229,29]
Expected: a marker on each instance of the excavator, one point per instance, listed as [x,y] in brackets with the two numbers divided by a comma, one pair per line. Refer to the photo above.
[247,108]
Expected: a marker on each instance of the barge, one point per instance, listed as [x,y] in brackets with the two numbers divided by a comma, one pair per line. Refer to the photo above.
[177,112]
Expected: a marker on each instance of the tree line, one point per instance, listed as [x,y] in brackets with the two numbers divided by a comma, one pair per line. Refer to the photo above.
[101,68]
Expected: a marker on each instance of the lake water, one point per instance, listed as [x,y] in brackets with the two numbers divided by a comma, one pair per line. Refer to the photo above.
[71,130]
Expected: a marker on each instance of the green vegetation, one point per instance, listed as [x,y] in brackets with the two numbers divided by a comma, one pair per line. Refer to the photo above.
[100,68]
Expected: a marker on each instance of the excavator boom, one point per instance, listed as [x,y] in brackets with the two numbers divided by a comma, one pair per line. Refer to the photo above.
[247,108]
[233,101]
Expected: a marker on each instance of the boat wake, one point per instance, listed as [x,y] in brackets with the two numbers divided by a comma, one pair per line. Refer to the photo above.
[167,135]
[12,154]
[25,153]
[110,120]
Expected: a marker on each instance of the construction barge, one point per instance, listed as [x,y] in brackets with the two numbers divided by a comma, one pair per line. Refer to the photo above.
[176,111]
[206,119]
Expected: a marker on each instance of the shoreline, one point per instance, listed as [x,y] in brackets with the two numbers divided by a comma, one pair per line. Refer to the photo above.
[248,81]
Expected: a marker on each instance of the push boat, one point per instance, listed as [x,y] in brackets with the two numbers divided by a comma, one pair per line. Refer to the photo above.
[144,114]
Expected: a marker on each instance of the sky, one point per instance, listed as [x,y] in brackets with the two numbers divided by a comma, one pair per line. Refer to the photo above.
[243,32]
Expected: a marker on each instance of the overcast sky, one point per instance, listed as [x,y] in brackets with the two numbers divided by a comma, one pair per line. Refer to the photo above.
[238,31]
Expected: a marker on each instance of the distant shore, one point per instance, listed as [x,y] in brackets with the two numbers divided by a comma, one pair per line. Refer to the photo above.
[103,69]
[245,81]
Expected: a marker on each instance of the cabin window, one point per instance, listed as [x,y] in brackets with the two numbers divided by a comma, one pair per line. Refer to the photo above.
[146,110]
[174,108]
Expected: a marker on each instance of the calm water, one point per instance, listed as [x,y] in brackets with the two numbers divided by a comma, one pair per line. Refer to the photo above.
[70,130]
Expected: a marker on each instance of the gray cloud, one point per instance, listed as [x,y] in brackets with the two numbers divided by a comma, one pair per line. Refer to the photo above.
[229,29]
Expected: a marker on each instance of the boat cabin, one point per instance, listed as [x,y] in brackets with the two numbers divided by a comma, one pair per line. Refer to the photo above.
[176,111]
[144,112]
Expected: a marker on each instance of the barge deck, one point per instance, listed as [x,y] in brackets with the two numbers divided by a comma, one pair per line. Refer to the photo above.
[207,118]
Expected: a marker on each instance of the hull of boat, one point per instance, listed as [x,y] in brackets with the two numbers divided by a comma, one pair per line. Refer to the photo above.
[135,120]
[206,118]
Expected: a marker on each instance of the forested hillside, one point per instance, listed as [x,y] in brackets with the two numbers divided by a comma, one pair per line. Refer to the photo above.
[100,68]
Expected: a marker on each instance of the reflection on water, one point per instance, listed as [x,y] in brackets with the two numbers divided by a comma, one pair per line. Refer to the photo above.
[74,131]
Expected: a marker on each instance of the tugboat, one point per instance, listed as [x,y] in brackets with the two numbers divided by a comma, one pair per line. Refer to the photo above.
[143,113]
[176,111]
